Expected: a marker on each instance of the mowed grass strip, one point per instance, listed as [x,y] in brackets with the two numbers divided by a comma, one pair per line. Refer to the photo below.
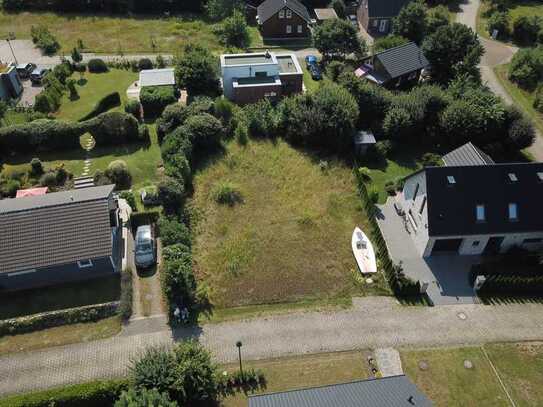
[448,383]
[304,371]
[290,238]
[119,34]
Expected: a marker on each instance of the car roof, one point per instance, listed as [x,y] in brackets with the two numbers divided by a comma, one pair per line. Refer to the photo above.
[143,232]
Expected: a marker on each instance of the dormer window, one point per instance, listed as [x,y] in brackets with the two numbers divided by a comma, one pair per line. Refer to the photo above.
[289,13]
[282,14]
[480,213]
[512,177]
[513,212]
[451,180]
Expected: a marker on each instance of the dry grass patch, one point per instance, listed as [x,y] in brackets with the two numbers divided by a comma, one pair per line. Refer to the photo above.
[305,371]
[289,239]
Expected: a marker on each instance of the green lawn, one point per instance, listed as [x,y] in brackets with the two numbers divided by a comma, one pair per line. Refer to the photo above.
[304,371]
[119,34]
[57,297]
[448,383]
[289,239]
[91,89]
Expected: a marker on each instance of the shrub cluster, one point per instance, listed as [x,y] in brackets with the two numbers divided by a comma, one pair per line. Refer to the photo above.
[154,99]
[93,394]
[43,39]
[125,302]
[116,173]
[130,199]
[114,128]
[54,87]
[97,65]
[89,313]
[526,68]
[109,101]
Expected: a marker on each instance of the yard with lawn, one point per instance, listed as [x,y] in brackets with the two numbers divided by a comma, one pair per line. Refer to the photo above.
[304,371]
[108,34]
[288,239]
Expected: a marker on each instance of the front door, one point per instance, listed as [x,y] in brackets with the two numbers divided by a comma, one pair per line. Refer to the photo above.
[493,245]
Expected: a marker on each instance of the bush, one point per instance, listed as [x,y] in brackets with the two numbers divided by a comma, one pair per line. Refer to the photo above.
[197,71]
[144,398]
[171,193]
[145,63]
[133,107]
[526,29]
[205,132]
[45,320]
[175,252]
[143,218]
[233,31]
[499,21]
[261,119]
[117,172]
[9,188]
[431,160]
[153,369]
[172,231]
[334,69]
[144,134]
[70,84]
[538,101]
[526,68]
[36,167]
[92,394]
[178,282]
[48,179]
[154,99]
[97,65]
[130,199]
[113,128]
[43,39]
[125,304]
[227,193]
[103,105]
[383,148]
[397,124]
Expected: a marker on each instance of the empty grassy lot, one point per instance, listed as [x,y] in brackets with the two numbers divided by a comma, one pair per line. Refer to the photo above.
[305,371]
[289,240]
[91,89]
[119,34]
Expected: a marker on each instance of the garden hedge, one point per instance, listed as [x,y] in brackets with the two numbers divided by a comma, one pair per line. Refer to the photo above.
[154,99]
[102,393]
[97,65]
[143,218]
[103,105]
[89,313]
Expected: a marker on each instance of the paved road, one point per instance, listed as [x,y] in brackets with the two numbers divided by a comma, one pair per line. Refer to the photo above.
[496,53]
[372,322]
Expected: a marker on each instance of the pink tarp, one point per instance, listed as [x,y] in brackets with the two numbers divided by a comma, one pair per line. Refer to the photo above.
[31,192]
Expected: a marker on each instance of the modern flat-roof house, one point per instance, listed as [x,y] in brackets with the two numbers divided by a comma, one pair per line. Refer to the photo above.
[394,67]
[247,78]
[10,84]
[375,16]
[394,391]
[59,237]
[472,206]
[283,19]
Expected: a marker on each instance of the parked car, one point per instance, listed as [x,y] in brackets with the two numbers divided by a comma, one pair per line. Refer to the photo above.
[25,70]
[310,60]
[145,247]
[315,72]
[38,74]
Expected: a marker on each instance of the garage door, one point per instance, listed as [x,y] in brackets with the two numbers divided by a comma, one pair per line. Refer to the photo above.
[446,245]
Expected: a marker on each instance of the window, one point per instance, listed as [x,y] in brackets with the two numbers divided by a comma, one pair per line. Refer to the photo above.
[532,240]
[513,214]
[282,14]
[383,26]
[270,94]
[423,204]
[540,176]
[289,13]
[289,29]
[375,23]
[416,192]
[261,74]
[84,264]
[476,243]
[480,213]
[451,180]
[512,177]
[300,29]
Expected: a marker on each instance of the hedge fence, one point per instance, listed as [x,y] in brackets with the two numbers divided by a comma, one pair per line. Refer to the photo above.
[401,285]
[101,393]
[89,313]
[103,105]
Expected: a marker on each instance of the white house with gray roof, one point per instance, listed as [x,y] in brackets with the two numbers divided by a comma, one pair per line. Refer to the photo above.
[59,237]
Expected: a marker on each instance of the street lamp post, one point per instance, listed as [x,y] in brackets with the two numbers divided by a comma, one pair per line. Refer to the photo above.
[239,344]
[11,36]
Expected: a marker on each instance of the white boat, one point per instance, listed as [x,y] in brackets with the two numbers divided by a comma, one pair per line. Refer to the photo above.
[363,252]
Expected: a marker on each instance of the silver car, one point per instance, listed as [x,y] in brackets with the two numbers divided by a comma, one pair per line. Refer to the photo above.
[145,250]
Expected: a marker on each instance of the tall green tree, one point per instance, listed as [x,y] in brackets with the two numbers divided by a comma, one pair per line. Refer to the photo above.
[338,38]
[411,21]
[76,56]
[220,9]
[197,71]
[234,32]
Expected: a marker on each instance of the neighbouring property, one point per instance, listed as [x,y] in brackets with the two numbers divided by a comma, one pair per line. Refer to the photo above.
[394,67]
[59,237]
[151,77]
[375,16]
[283,19]
[394,391]
[323,14]
[10,84]
[472,206]
[248,78]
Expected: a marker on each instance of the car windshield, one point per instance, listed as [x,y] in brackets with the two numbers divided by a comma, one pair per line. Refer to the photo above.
[143,248]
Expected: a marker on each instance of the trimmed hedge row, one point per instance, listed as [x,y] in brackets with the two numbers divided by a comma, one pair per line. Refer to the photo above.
[101,393]
[89,313]
[125,303]
[103,105]
[143,218]
[507,285]
[154,99]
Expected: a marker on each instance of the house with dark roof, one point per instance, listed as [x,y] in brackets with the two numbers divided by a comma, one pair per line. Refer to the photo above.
[394,67]
[283,19]
[375,16]
[472,206]
[59,237]
[394,391]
